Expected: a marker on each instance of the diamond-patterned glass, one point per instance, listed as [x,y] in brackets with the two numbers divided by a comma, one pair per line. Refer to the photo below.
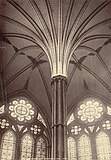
[71,149]
[26,147]
[41,149]
[103,146]
[8,146]
[84,148]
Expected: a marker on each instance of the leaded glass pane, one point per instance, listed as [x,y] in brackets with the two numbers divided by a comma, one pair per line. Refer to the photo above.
[84,148]
[71,149]
[71,118]
[103,146]
[8,146]
[109,110]
[40,118]
[26,147]
[41,149]
[2,109]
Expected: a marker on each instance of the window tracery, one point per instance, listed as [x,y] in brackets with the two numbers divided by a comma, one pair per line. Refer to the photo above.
[107,124]
[35,129]
[90,110]
[21,110]
[20,120]
[75,130]
[2,109]
[91,118]
[71,119]
[108,110]
[4,123]
[40,118]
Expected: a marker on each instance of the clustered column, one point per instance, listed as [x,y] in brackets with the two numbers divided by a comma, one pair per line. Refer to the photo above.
[59,133]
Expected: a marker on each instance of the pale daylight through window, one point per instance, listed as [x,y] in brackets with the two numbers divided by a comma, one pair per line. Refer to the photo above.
[89,130]
[23,131]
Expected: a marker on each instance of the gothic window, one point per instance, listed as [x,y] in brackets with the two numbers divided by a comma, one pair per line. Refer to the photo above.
[89,127]
[103,146]
[8,146]
[71,148]
[26,147]
[22,128]
[84,148]
[41,148]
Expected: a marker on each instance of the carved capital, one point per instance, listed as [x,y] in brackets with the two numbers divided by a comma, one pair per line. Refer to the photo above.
[57,78]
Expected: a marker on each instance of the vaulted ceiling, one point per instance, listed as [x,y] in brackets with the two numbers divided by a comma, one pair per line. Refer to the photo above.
[44,38]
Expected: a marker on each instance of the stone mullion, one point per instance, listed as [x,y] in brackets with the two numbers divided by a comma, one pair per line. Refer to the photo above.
[93,147]
[77,151]
[34,148]
[18,148]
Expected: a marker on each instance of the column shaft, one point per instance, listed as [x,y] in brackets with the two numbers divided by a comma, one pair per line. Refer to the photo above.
[59,143]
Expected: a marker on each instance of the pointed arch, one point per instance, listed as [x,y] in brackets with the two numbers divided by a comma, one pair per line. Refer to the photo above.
[27,144]
[8,146]
[103,146]
[41,148]
[72,149]
[84,148]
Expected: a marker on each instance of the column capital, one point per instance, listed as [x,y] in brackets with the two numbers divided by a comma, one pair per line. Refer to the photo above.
[58,77]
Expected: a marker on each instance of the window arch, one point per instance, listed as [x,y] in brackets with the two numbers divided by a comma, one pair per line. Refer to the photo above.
[25,124]
[84,148]
[40,148]
[71,148]
[103,146]
[8,146]
[89,127]
[26,146]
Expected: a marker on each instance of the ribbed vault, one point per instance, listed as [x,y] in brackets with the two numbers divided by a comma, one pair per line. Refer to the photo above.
[44,38]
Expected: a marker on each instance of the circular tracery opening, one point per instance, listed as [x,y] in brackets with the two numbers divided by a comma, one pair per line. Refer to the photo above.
[21,109]
[90,110]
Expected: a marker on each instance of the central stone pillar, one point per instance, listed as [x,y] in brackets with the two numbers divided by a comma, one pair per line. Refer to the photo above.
[59,133]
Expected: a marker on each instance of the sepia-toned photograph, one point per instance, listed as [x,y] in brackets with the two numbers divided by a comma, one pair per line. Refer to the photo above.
[55,79]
